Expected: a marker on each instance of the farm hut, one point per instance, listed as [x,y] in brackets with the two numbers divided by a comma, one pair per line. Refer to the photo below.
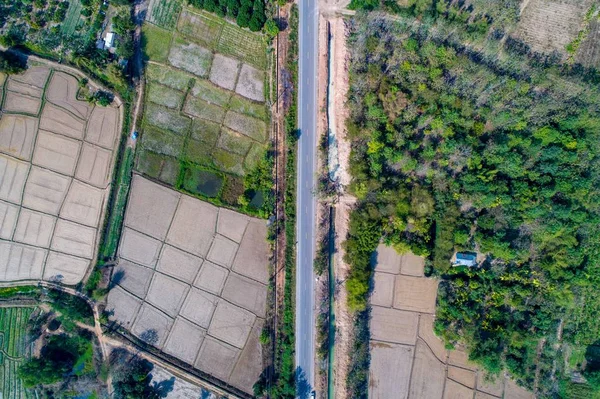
[109,40]
[468,259]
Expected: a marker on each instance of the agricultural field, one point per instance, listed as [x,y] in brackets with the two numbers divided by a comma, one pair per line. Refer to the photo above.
[164,13]
[205,126]
[407,359]
[13,350]
[72,18]
[192,281]
[553,25]
[56,162]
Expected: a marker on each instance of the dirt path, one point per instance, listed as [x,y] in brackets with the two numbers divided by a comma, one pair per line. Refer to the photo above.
[92,304]
[114,343]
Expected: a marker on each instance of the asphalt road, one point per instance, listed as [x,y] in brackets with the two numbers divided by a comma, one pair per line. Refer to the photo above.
[306,200]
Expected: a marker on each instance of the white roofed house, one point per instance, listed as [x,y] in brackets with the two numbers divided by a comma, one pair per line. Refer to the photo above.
[109,40]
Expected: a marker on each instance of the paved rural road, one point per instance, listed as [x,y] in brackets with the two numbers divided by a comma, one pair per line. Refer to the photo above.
[306,200]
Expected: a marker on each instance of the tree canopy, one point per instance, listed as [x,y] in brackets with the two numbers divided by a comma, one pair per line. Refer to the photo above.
[461,149]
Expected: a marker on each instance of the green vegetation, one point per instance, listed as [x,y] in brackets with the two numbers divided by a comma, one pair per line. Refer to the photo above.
[164,13]
[11,64]
[156,42]
[225,38]
[284,368]
[71,308]
[247,13]
[201,156]
[57,360]
[582,34]
[482,147]
[239,43]
[72,18]
[67,31]
[116,207]
[14,349]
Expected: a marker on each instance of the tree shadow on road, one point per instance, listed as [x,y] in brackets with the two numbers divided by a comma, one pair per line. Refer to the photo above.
[303,387]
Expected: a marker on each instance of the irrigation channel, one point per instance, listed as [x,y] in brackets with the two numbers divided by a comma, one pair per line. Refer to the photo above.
[333,169]
[331,279]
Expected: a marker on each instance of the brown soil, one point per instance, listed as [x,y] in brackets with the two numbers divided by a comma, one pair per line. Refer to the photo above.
[338,29]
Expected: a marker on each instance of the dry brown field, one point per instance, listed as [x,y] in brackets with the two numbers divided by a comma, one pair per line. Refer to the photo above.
[550,25]
[192,281]
[56,160]
[407,359]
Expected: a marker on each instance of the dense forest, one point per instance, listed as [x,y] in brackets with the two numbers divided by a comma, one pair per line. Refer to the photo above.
[484,147]
[247,13]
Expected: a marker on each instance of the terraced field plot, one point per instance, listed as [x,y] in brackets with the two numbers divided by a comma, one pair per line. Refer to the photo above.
[407,359]
[13,349]
[192,281]
[56,160]
[198,136]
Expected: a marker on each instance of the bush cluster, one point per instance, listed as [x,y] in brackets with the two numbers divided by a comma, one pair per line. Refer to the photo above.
[247,13]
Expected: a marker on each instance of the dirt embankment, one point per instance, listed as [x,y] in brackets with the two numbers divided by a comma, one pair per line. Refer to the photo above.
[344,201]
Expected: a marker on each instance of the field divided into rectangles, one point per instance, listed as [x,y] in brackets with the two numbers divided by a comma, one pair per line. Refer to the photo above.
[164,12]
[206,29]
[201,26]
[14,349]
[242,44]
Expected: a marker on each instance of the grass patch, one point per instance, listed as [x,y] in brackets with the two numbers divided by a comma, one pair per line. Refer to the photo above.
[14,350]
[167,119]
[201,181]
[246,125]
[228,162]
[24,290]
[156,42]
[116,206]
[233,189]
[190,57]
[254,156]
[211,93]
[234,142]
[202,109]
[72,19]
[164,13]
[162,142]
[158,166]
[202,26]
[167,76]
[85,363]
[244,106]
[198,152]
[205,131]
[163,95]
[247,46]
